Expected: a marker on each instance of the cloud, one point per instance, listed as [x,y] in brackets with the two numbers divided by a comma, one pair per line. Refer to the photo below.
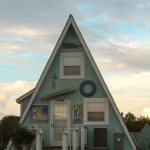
[122,11]
[3,97]
[110,33]
[16,88]
[126,55]
[2,115]
[146,111]
[130,91]
[142,79]
[11,91]
[35,12]
[14,46]
[27,32]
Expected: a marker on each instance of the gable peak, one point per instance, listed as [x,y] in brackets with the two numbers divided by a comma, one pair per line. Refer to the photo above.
[70,16]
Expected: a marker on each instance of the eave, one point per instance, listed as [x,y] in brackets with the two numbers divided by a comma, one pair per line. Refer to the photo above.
[18,100]
[58,93]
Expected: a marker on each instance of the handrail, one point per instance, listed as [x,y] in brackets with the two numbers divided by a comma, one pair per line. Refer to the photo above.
[74,132]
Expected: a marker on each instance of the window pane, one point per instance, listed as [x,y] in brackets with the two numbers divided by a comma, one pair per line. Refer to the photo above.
[71,70]
[72,61]
[95,116]
[96,107]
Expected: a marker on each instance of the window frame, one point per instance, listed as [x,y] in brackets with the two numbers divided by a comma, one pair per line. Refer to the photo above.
[106,111]
[73,54]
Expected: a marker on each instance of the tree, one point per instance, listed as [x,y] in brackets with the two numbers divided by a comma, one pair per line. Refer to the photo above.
[10,129]
[133,123]
[130,121]
[129,117]
[142,120]
[7,126]
[17,138]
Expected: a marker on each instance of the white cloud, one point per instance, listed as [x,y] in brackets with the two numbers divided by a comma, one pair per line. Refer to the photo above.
[130,92]
[2,115]
[3,97]
[146,111]
[29,32]
[121,55]
[9,92]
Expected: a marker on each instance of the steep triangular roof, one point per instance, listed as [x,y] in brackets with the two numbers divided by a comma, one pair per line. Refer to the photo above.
[146,129]
[72,22]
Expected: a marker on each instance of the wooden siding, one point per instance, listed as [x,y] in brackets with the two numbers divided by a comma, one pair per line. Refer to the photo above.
[24,103]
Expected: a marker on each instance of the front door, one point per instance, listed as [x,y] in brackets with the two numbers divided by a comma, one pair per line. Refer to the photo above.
[59,121]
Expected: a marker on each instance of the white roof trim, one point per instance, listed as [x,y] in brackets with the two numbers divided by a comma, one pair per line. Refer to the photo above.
[69,22]
[18,100]
[9,145]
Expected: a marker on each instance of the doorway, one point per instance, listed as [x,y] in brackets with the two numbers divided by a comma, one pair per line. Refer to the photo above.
[59,121]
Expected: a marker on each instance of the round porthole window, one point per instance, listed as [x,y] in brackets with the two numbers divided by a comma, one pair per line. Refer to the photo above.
[87,88]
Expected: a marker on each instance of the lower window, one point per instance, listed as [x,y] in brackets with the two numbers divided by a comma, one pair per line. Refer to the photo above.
[96,111]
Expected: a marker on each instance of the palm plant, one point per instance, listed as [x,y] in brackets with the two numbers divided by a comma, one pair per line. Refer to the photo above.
[29,136]
[22,136]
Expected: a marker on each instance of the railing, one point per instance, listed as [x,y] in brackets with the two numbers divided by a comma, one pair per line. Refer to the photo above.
[83,137]
[38,139]
[73,133]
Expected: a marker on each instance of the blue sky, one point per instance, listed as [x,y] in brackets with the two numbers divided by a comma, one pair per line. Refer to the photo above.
[116,32]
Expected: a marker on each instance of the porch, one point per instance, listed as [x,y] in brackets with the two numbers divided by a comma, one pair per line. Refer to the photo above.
[76,139]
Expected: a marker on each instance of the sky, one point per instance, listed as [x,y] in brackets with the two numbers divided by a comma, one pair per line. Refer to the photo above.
[117,33]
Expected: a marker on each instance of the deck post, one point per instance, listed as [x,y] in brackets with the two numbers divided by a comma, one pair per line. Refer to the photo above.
[75,138]
[39,139]
[65,141]
[83,137]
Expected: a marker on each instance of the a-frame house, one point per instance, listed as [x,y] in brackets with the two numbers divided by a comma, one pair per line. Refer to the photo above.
[71,93]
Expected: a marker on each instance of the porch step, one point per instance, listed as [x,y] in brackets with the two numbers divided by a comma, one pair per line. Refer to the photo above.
[52,148]
[100,148]
[56,148]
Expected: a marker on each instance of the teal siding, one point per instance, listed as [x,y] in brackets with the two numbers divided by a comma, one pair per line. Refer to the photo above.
[75,97]
[12,147]
[113,127]
[24,103]
[143,138]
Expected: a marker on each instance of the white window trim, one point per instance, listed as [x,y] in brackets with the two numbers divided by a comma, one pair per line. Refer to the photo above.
[106,117]
[62,76]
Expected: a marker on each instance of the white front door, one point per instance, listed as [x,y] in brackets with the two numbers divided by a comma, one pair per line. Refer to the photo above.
[59,121]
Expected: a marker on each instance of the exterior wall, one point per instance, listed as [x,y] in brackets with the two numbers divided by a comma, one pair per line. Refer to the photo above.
[74,98]
[143,138]
[24,103]
[113,127]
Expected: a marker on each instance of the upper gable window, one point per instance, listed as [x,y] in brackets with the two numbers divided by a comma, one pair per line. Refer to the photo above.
[71,65]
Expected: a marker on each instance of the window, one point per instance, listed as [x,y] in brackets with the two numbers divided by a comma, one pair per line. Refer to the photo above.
[95,111]
[71,65]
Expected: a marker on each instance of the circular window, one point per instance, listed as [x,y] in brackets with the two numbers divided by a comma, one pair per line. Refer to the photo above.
[87,88]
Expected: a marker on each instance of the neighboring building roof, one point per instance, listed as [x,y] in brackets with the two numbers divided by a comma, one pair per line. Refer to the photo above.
[143,137]
[72,22]
[137,145]
[18,100]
